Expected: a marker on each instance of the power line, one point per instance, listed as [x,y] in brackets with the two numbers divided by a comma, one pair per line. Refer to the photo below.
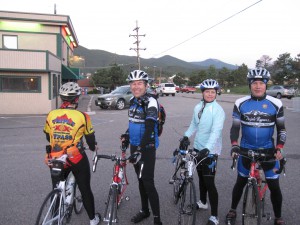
[208,28]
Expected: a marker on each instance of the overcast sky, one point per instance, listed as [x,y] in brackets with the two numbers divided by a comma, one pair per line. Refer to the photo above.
[233,31]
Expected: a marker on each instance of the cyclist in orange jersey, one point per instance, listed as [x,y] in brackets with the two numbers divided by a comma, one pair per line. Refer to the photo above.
[64,129]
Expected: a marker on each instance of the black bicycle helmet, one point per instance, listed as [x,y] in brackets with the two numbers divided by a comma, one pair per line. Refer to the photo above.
[209,84]
[138,75]
[69,91]
[258,73]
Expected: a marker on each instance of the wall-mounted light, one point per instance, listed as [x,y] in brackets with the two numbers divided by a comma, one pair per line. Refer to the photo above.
[68,31]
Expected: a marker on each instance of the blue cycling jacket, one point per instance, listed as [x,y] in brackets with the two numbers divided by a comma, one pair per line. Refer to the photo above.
[140,111]
[258,117]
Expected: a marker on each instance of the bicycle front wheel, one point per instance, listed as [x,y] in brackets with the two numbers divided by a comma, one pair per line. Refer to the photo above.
[78,203]
[110,213]
[251,205]
[187,203]
[52,210]
[176,180]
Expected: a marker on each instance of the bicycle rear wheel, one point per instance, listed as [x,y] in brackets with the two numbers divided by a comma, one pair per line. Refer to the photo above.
[110,213]
[187,204]
[78,204]
[251,205]
[52,209]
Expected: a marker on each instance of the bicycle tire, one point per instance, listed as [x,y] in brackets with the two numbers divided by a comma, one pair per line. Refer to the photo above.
[49,211]
[78,203]
[110,213]
[187,204]
[176,180]
[251,205]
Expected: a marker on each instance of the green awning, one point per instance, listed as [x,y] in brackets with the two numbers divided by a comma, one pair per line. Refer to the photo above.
[67,73]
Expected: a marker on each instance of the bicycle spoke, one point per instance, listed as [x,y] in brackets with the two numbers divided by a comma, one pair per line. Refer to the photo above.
[51,210]
[110,214]
[251,205]
[187,204]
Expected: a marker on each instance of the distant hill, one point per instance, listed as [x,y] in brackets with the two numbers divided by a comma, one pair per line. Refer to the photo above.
[95,59]
[215,62]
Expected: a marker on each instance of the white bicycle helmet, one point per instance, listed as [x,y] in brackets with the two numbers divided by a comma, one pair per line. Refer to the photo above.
[69,91]
[209,84]
[138,75]
[258,73]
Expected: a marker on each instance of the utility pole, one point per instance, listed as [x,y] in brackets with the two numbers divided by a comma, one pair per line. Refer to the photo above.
[137,49]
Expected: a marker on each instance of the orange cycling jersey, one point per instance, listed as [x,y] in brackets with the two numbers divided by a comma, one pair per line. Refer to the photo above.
[66,128]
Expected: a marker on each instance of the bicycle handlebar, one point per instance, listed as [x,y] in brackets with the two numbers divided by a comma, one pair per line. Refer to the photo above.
[113,157]
[253,154]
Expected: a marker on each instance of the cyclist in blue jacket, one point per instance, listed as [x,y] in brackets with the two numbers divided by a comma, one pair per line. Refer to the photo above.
[257,115]
[207,122]
[142,134]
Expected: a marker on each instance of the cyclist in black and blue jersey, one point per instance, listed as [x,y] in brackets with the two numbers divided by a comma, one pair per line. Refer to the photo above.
[257,115]
[142,135]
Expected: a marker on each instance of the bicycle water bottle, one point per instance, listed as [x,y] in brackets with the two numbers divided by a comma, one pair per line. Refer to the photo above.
[190,168]
[121,173]
[70,188]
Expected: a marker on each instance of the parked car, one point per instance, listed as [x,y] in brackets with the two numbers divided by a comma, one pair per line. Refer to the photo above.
[166,89]
[188,89]
[280,91]
[119,98]
[178,89]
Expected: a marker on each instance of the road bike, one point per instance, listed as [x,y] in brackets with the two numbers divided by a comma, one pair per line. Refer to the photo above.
[184,191]
[58,205]
[119,183]
[256,188]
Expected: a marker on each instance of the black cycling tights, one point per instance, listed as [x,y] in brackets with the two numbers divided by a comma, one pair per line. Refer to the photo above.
[273,184]
[82,175]
[207,185]
[147,188]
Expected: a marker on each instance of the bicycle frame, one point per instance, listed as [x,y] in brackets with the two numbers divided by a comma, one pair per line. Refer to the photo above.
[255,173]
[118,185]
[256,181]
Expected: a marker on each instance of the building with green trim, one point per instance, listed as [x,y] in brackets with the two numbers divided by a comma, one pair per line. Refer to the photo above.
[35,54]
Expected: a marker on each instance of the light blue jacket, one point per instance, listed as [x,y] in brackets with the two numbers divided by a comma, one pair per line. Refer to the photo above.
[209,128]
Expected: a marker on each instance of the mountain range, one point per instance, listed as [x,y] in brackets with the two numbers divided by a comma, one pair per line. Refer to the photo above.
[96,59]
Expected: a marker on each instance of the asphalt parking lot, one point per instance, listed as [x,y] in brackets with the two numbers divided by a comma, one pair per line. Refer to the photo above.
[25,179]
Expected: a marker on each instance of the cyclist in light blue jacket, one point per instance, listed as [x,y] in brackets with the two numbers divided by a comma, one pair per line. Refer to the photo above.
[207,123]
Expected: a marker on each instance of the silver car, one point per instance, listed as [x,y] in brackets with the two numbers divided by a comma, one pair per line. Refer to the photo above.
[118,98]
[280,91]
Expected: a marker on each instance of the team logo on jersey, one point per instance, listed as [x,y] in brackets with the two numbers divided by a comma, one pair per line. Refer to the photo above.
[63,120]
[265,106]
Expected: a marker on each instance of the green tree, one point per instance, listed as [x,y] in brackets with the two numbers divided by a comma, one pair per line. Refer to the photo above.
[179,79]
[282,69]
[212,72]
[222,76]
[238,76]
[197,78]
[109,78]
[264,62]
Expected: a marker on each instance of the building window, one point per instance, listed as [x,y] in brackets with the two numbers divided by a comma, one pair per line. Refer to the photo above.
[20,84]
[10,42]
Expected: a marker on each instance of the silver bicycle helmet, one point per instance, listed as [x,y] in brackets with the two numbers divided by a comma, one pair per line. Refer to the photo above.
[258,73]
[138,75]
[209,84]
[69,91]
